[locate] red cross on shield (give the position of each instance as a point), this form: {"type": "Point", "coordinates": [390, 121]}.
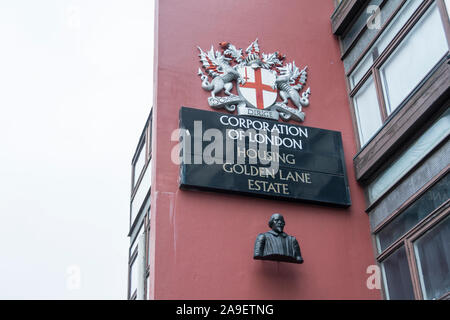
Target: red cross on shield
{"type": "Point", "coordinates": [258, 87]}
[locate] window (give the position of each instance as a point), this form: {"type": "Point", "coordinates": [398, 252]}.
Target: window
{"type": "Point", "coordinates": [383, 40]}
{"type": "Point", "coordinates": [140, 211]}
{"type": "Point", "coordinates": [141, 171]}
{"type": "Point", "coordinates": [148, 254]}
{"type": "Point", "coordinates": [133, 277]}
{"type": "Point", "coordinates": [424, 144]}
{"type": "Point", "coordinates": [365, 29]}
{"type": "Point", "coordinates": [432, 252]}
{"type": "Point", "coordinates": [396, 276]}
{"type": "Point", "coordinates": [414, 245]}
{"type": "Point", "coordinates": [148, 241]}
{"type": "Point", "coordinates": [412, 59]}
{"type": "Point", "coordinates": [132, 268]}
{"type": "Point", "coordinates": [139, 163]}
{"type": "Point", "coordinates": [141, 193]}
{"type": "Point", "coordinates": [385, 68]}
{"type": "Point", "coordinates": [137, 270]}
{"type": "Point", "coordinates": [367, 112]}
{"type": "Point", "coordinates": [135, 243]}
{"type": "Point", "coordinates": [143, 152]}
{"type": "Point", "coordinates": [396, 77]}
{"type": "Point", "coordinates": [414, 213]}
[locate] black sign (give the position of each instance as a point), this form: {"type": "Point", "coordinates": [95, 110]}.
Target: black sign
{"type": "Point", "coordinates": [254, 156]}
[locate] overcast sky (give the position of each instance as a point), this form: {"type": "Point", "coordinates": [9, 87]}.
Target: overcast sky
{"type": "Point", "coordinates": [75, 91]}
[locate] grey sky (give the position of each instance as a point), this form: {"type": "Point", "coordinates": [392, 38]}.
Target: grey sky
{"type": "Point", "coordinates": [75, 91]}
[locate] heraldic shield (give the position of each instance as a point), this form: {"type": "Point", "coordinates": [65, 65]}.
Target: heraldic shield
{"type": "Point", "coordinates": [258, 87]}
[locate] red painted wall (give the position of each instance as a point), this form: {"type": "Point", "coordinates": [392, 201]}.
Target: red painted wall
{"type": "Point", "coordinates": [202, 242]}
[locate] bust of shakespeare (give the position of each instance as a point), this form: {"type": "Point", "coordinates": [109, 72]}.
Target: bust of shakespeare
{"type": "Point", "coordinates": [275, 245]}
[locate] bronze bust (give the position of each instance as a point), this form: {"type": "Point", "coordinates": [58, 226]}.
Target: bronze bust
{"type": "Point", "coordinates": [275, 245]}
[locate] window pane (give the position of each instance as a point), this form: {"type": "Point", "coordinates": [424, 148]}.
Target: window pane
{"type": "Point", "coordinates": [433, 260]}
{"type": "Point", "coordinates": [359, 72]}
{"type": "Point", "coordinates": [417, 54]}
{"type": "Point", "coordinates": [141, 193]}
{"type": "Point", "coordinates": [396, 276]}
{"type": "Point", "coordinates": [136, 241]}
{"type": "Point", "coordinates": [417, 151]}
{"type": "Point", "coordinates": [133, 277]}
{"type": "Point", "coordinates": [141, 268]}
{"type": "Point", "coordinates": [385, 38]}
{"type": "Point", "coordinates": [367, 111]}
{"type": "Point", "coordinates": [139, 164]}
{"type": "Point", "coordinates": [137, 269]}
{"type": "Point", "coordinates": [368, 35]}
{"type": "Point", "coordinates": [418, 210]}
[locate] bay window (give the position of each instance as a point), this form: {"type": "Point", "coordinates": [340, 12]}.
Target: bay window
{"type": "Point", "coordinates": [414, 247]}
{"type": "Point", "coordinates": [382, 74]}
{"type": "Point", "coordinates": [396, 60]}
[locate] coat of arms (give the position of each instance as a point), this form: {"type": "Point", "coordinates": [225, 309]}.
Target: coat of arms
{"type": "Point", "coordinates": [259, 78]}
